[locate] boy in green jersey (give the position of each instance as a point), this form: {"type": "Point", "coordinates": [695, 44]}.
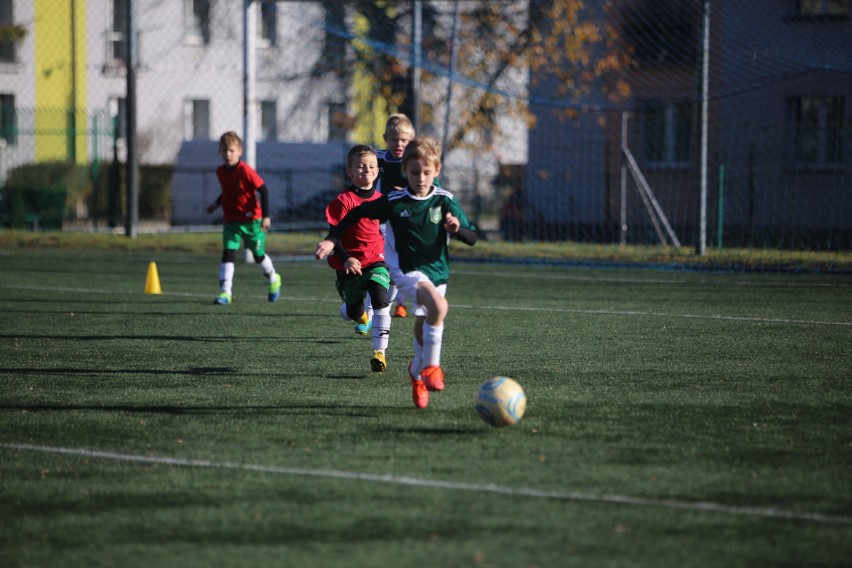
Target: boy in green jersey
{"type": "Point", "coordinates": [419, 222]}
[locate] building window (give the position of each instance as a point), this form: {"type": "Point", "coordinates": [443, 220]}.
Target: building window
{"type": "Point", "coordinates": [7, 20]}
{"type": "Point", "coordinates": [268, 120]}
{"type": "Point", "coordinates": [197, 119]}
{"type": "Point", "coordinates": [117, 36]}
{"type": "Point", "coordinates": [817, 125]}
{"type": "Point", "coordinates": [8, 120]}
{"type": "Point", "coordinates": [196, 21]}
{"type": "Point", "coordinates": [823, 7]}
{"type": "Point", "coordinates": [661, 33]}
{"type": "Point", "coordinates": [666, 132]}
{"type": "Point", "coordinates": [337, 121]}
{"type": "Point", "coordinates": [267, 30]}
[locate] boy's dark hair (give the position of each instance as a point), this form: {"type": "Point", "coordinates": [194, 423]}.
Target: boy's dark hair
{"type": "Point", "coordinates": [422, 148]}
{"type": "Point", "coordinates": [357, 151]}
{"type": "Point", "coordinates": [228, 138]}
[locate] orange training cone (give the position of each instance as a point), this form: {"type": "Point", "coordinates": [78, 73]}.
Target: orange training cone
{"type": "Point", "coordinates": [152, 283]}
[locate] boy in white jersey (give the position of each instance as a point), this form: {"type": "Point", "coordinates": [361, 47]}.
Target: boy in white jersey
{"type": "Point", "coordinates": [419, 221]}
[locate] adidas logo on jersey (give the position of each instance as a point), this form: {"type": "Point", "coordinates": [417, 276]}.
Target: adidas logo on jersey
{"type": "Point", "coordinates": [405, 213]}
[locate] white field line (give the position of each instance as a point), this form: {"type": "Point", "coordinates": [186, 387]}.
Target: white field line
{"type": "Point", "coordinates": [770, 512]}
{"type": "Point", "coordinates": [717, 317]}
{"type": "Point", "coordinates": [641, 280]}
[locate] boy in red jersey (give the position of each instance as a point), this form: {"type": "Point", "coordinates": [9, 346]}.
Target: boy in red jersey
{"type": "Point", "coordinates": [246, 218]}
{"type": "Point", "coordinates": [358, 255]}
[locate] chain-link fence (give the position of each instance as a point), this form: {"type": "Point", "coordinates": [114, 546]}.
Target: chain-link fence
{"type": "Point", "coordinates": [657, 123]}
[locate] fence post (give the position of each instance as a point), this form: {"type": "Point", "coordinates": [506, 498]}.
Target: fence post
{"type": "Point", "coordinates": [701, 246]}
{"type": "Point", "coordinates": [623, 225]}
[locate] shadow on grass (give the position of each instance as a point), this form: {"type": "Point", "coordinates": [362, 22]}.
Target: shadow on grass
{"type": "Point", "coordinates": [201, 371]}
{"type": "Point", "coordinates": [209, 339]}
{"type": "Point", "coordinates": [294, 409]}
{"type": "Point", "coordinates": [68, 307]}
{"type": "Point", "coordinates": [438, 431]}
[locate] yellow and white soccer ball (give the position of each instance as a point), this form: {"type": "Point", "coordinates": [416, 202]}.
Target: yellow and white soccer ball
{"type": "Point", "coordinates": [501, 401]}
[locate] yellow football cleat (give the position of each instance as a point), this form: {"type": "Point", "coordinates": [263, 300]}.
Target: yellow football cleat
{"type": "Point", "coordinates": [378, 363]}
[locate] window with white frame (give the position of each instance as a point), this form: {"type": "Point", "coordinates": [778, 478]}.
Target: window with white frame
{"type": "Point", "coordinates": [666, 132]}
{"type": "Point", "coordinates": [8, 120]}
{"type": "Point", "coordinates": [267, 28]}
{"type": "Point", "coordinates": [117, 35]}
{"type": "Point", "coordinates": [197, 119]}
{"type": "Point", "coordinates": [268, 120]}
{"type": "Point", "coordinates": [196, 21]}
{"type": "Point", "coordinates": [817, 127]}
{"type": "Point", "coordinates": [823, 7]}
{"type": "Point", "coordinates": [7, 20]}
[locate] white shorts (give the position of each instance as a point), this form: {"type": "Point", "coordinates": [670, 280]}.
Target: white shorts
{"type": "Point", "coordinates": [407, 284]}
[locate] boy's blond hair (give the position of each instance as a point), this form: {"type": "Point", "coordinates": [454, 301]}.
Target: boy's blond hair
{"type": "Point", "coordinates": [228, 138]}
{"type": "Point", "coordinates": [399, 124]}
{"type": "Point", "coordinates": [424, 148]}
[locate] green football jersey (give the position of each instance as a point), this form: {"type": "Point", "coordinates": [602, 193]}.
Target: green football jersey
{"type": "Point", "coordinates": [418, 231]}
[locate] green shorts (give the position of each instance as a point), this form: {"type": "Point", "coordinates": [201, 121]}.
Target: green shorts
{"type": "Point", "coordinates": [235, 233]}
{"type": "Point", "coordinates": [353, 289]}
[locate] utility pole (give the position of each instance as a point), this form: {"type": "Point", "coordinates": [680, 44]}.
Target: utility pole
{"type": "Point", "coordinates": [131, 226]}
{"type": "Point", "coordinates": [249, 79]}
{"type": "Point", "coordinates": [416, 47]}
{"type": "Point", "coordinates": [701, 246]}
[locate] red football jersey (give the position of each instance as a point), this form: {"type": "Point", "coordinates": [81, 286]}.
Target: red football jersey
{"type": "Point", "coordinates": [363, 240]}
{"type": "Point", "coordinates": [239, 193]}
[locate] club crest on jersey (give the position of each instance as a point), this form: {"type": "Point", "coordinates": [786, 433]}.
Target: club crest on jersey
{"type": "Point", "coordinates": [435, 215]}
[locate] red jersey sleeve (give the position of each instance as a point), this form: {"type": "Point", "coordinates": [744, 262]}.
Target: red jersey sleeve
{"type": "Point", "coordinates": [336, 210]}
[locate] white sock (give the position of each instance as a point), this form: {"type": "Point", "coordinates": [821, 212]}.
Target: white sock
{"type": "Point", "coordinates": [266, 268]}
{"type": "Point", "coordinates": [368, 306]}
{"type": "Point", "coordinates": [226, 277]}
{"type": "Point", "coordinates": [432, 339]}
{"type": "Point", "coordinates": [343, 313]}
{"type": "Point", "coordinates": [381, 329]}
{"type": "Point", "coordinates": [417, 363]}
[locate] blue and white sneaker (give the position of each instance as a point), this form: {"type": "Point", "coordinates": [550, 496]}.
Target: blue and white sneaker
{"type": "Point", "coordinates": [275, 289]}
{"type": "Point", "coordinates": [223, 299]}
{"type": "Point", "coordinates": [364, 328]}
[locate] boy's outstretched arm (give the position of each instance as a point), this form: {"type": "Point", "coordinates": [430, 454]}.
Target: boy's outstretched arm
{"type": "Point", "coordinates": [324, 248]}
{"type": "Point", "coordinates": [215, 205]}
{"type": "Point", "coordinates": [453, 226]}
{"type": "Point", "coordinates": [377, 209]}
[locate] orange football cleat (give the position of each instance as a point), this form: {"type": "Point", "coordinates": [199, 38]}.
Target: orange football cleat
{"type": "Point", "coordinates": [419, 393]}
{"type": "Point", "coordinates": [433, 377]}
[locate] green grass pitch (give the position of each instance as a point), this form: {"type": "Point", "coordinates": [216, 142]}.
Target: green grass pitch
{"type": "Point", "coordinates": [673, 419]}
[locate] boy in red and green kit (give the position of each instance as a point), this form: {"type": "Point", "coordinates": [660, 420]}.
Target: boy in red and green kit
{"type": "Point", "coordinates": [246, 218]}
{"type": "Point", "coordinates": [359, 254]}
